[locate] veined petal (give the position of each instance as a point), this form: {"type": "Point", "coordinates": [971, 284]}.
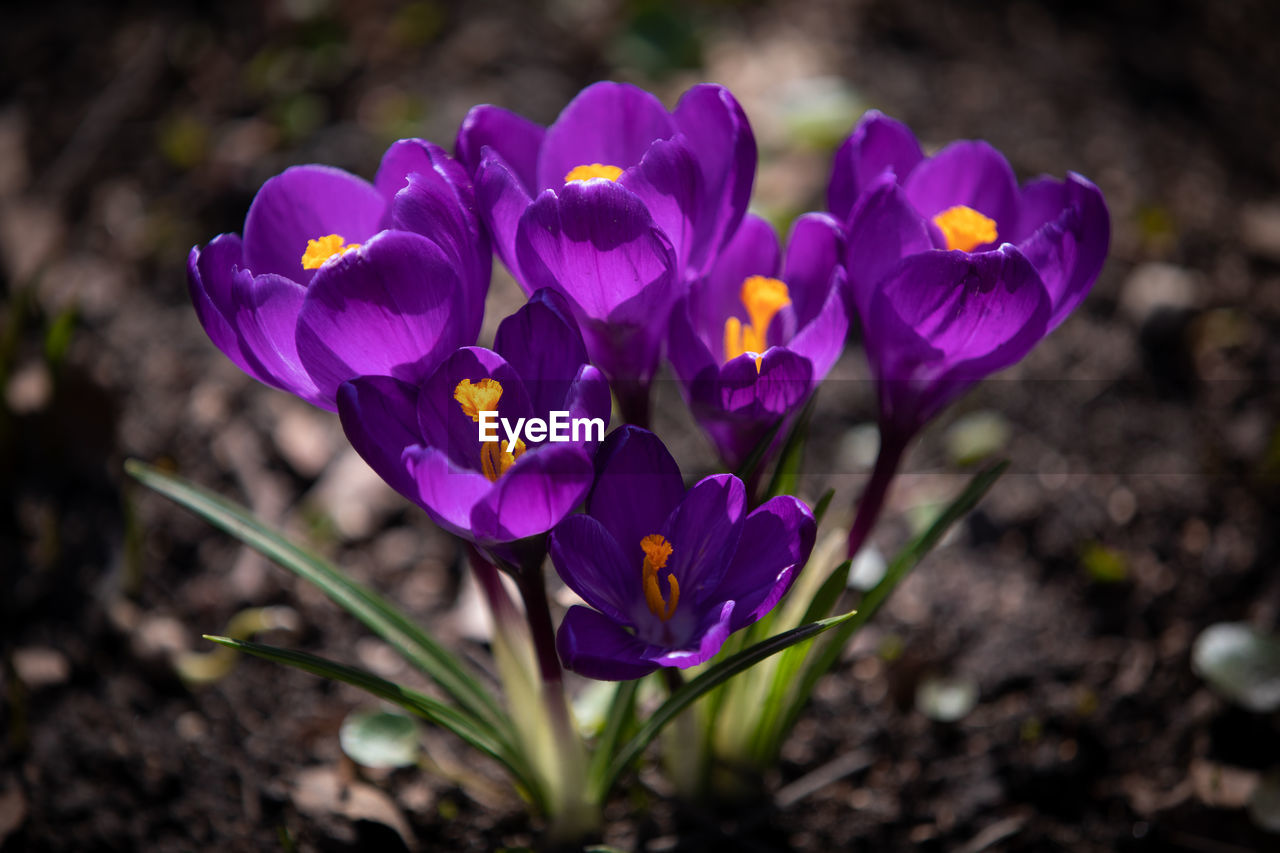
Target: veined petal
{"type": "Point", "coordinates": [776, 541]}
{"type": "Point", "coordinates": [303, 203]}
{"type": "Point", "coordinates": [393, 307]}
{"type": "Point", "coordinates": [969, 173]}
{"type": "Point", "coordinates": [878, 144]}
{"type": "Point", "coordinates": [815, 249]}
{"type": "Point", "coordinates": [515, 138]}
{"type": "Point", "coordinates": [637, 486]}
{"type": "Point", "coordinates": [267, 308]}
{"type": "Point", "coordinates": [595, 566]}
{"type": "Point", "coordinates": [1068, 249]}
{"type": "Point", "coordinates": [724, 148]}
{"type": "Point", "coordinates": [882, 230]}
{"type": "Point", "coordinates": [593, 645]}
{"type": "Point", "coordinates": [706, 640]}
{"type": "Point", "coordinates": [822, 340]}
{"type": "Point", "coordinates": [441, 420]}
{"type": "Point", "coordinates": [609, 123]}
{"type": "Point", "coordinates": [543, 339]}
{"type": "Point", "coordinates": [703, 531]}
{"type": "Point", "coordinates": [534, 495]}
{"type": "Point", "coordinates": [380, 418]}
{"type": "Point", "coordinates": [210, 272]}
{"type": "Point", "coordinates": [668, 182]}
{"type": "Point", "coordinates": [448, 492]}
{"type": "Point", "coordinates": [502, 201]}
{"type": "Point", "coordinates": [753, 250]}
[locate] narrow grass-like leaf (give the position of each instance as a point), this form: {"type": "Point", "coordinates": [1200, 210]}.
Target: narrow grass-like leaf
{"type": "Point", "coordinates": [446, 716]}
{"type": "Point", "coordinates": [621, 712]}
{"type": "Point", "coordinates": [823, 655]}
{"type": "Point", "coordinates": [750, 468]}
{"type": "Point", "coordinates": [383, 618]}
{"type": "Point", "coordinates": [786, 474]}
{"type": "Point", "coordinates": [708, 680]}
{"type": "Point", "coordinates": [821, 507]}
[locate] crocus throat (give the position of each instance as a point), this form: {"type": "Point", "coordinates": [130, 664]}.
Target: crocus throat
{"type": "Point", "coordinates": [323, 248]}
{"type": "Point", "coordinates": [656, 551]}
{"type": "Point", "coordinates": [763, 298]}
{"type": "Point", "coordinates": [483, 396]}
{"type": "Point", "coordinates": [965, 228]}
{"type": "Point", "coordinates": [593, 170]}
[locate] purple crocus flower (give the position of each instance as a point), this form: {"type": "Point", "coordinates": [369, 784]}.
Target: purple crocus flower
{"type": "Point", "coordinates": [615, 205]}
{"type": "Point", "coordinates": [669, 574]}
{"type": "Point", "coordinates": [749, 347]}
{"type": "Point", "coordinates": [424, 439]}
{"type": "Point", "coordinates": [318, 290]}
{"type": "Point", "coordinates": [954, 271]}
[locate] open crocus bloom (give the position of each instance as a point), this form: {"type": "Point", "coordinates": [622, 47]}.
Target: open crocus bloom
{"type": "Point", "coordinates": [749, 347]}
{"type": "Point", "coordinates": [670, 574]}
{"type": "Point", "coordinates": [615, 205]}
{"type": "Point", "coordinates": [424, 439]}
{"type": "Point", "coordinates": [954, 271]}
{"type": "Point", "coordinates": [312, 295]}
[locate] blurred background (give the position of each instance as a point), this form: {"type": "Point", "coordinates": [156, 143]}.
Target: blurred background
{"type": "Point", "coordinates": [1030, 688]}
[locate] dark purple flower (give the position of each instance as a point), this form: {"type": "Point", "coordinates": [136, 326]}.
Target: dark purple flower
{"type": "Point", "coordinates": [750, 347]}
{"type": "Point", "coordinates": [424, 438]}
{"type": "Point", "coordinates": [670, 574]}
{"type": "Point", "coordinates": [312, 295]}
{"type": "Point", "coordinates": [954, 271]}
{"type": "Point", "coordinates": [614, 205]}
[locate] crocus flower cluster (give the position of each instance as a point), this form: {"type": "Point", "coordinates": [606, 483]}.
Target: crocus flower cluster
{"type": "Point", "coordinates": [626, 225]}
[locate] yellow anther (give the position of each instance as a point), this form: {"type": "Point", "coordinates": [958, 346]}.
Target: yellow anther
{"type": "Point", "coordinates": [495, 460]}
{"type": "Point", "coordinates": [322, 249]}
{"type": "Point", "coordinates": [480, 397]}
{"type": "Point", "coordinates": [594, 170]}
{"type": "Point", "coordinates": [965, 228]}
{"type": "Point", "coordinates": [483, 396]}
{"type": "Point", "coordinates": [656, 552]}
{"type": "Point", "coordinates": [763, 298]}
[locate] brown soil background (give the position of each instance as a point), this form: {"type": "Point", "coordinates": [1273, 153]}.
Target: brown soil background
{"type": "Point", "coordinates": [1146, 425]}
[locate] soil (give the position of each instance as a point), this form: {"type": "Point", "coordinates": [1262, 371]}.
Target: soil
{"type": "Point", "coordinates": [1143, 432]}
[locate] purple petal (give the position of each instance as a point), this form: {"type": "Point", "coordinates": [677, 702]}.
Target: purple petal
{"type": "Point", "coordinates": [725, 149]}
{"type": "Point", "coordinates": [686, 350]}
{"type": "Point", "coordinates": [752, 251]}
{"type": "Point", "coordinates": [210, 272]}
{"type": "Point", "coordinates": [637, 486]}
{"type": "Point", "coordinates": [592, 563]}
{"type": "Point", "coordinates": [823, 339]}
{"type": "Point", "coordinates": [441, 420]}
{"type": "Point", "coordinates": [393, 307]}
{"type": "Point", "coordinates": [945, 320]}
{"type": "Point", "coordinates": [589, 397]}
{"type": "Point", "coordinates": [776, 541]}
{"type": "Point", "coordinates": [877, 144]}
{"type": "Point", "coordinates": [703, 531]}
{"type": "Point", "coordinates": [609, 123]}
{"type": "Point", "coordinates": [380, 417]}
{"type": "Point", "coordinates": [713, 629]}
{"type": "Point", "coordinates": [542, 339]}
{"type": "Point", "coordinates": [502, 201]}
{"type": "Point", "coordinates": [668, 182]}
{"type": "Point", "coordinates": [815, 249]}
{"type": "Point", "coordinates": [447, 492]}
{"type": "Point", "coordinates": [514, 137]}
{"type": "Point", "coordinates": [595, 646]}
{"type": "Point", "coordinates": [267, 308]}
{"type": "Point", "coordinates": [1069, 248]}
{"type": "Point", "coordinates": [535, 494]}
{"type": "Point", "coordinates": [969, 173]}
{"type": "Point", "coordinates": [304, 203]}
{"type": "Point", "coordinates": [883, 229]}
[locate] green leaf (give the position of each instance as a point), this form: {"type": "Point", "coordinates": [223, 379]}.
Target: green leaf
{"type": "Point", "coordinates": [373, 610]}
{"type": "Point", "coordinates": [786, 473]}
{"type": "Point", "coordinates": [433, 710]}
{"type": "Point", "coordinates": [750, 467]}
{"type": "Point", "coordinates": [621, 713]}
{"type": "Point", "coordinates": [821, 507]}
{"type": "Point", "coordinates": [708, 680]}
{"type": "Point", "coordinates": [822, 657]}
{"type": "Point", "coordinates": [380, 739]}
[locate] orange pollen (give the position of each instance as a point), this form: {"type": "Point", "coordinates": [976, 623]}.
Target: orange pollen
{"type": "Point", "coordinates": [322, 249]}
{"type": "Point", "coordinates": [965, 228]}
{"type": "Point", "coordinates": [594, 170]}
{"type": "Point", "coordinates": [483, 396]}
{"type": "Point", "coordinates": [656, 552]}
{"type": "Point", "coordinates": [763, 298]}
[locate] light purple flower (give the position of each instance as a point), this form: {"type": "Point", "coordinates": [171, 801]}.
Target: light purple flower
{"type": "Point", "coordinates": [423, 438]}
{"type": "Point", "coordinates": [614, 205]}
{"type": "Point", "coordinates": [750, 347]}
{"type": "Point", "coordinates": [318, 290]}
{"type": "Point", "coordinates": [954, 271]}
{"type": "Point", "coordinates": [669, 574]}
